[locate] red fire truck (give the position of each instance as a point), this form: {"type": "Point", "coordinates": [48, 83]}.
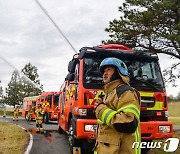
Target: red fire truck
{"type": "Point", "coordinates": [49, 102]}
{"type": "Point", "coordinates": [27, 103]}
{"type": "Point", "coordinates": [83, 84]}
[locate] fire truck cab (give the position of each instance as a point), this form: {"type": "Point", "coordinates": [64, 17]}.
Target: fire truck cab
{"type": "Point", "coordinates": [27, 103]}
{"type": "Point", "coordinates": [49, 102]}
{"type": "Point", "coordinates": [84, 83]}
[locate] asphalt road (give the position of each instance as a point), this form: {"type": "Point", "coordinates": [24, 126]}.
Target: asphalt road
{"type": "Point", "coordinates": [51, 142]}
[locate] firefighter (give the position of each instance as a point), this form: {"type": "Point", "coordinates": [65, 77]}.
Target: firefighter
{"type": "Point", "coordinates": [118, 113]}
{"type": "Point", "coordinates": [39, 118]}
{"type": "Point", "coordinates": [4, 113]}
{"type": "Point", "coordinates": [16, 113]}
{"type": "Point", "coordinates": [30, 112]}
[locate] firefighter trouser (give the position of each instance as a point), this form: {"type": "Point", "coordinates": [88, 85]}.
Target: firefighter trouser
{"type": "Point", "coordinates": [29, 116]}
{"type": "Point", "coordinates": [39, 125]}
{"type": "Point", "coordinates": [15, 116]}
{"type": "Point", "coordinates": [106, 149]}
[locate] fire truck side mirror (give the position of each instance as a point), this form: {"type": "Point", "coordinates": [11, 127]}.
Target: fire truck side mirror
{"type": "Point", "coordinates": [72, 65]}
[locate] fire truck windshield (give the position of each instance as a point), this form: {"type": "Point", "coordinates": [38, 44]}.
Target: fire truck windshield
{"type": "Point", "coordinates": [56, 99]}
{"type": "Point", "coordinates": [143, 74]}
{"type": "Point", "coordinates": [91, 71]}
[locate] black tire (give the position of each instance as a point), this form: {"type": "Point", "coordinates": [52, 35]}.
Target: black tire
{"type": "Point", "coordinates": [46, 118]}
{"type": "Point", "coordinates": [73, 142]}
{"type": "Point", "coordinates": [60, 130]}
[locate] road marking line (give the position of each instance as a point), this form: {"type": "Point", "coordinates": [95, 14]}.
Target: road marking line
{"type": "Point", "coordinates": [28, 149]}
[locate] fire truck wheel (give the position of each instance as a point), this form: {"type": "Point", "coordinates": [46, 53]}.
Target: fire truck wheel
{"type": "Point", "coordinates": [71, 136]}
{"type": "Point", "coordinates": [46, 118]}
{"type": "Point", "coordinates": [60, 130]}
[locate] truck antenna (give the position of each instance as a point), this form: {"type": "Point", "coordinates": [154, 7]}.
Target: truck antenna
{"type": "Point", "coordinates": [60, 31]}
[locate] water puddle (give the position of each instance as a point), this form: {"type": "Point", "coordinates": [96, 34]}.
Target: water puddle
{"type": "Point", "coordinates": [46, 134]}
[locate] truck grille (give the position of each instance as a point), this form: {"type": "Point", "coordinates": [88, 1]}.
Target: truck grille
{"type": "Point", "coordinates": [147, 101]}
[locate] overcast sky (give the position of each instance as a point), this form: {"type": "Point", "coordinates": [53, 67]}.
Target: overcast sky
{"type": "Point", "coordinates": [27, 35]}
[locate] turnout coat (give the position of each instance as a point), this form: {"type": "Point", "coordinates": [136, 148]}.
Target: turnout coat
{"type": "Point", "coordinates": [118, 119]}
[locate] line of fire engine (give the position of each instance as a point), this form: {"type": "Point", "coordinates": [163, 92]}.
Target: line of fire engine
{"type": "Point", "coordinates": [49, 102]}
{"type": "Point", "coordinates": [83, 85]}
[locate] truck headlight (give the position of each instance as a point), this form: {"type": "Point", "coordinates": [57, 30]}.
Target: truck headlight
{"type": "Point", "coordinates": [90, 128]}
{"type": "Point", "coordinates": [164, 129]}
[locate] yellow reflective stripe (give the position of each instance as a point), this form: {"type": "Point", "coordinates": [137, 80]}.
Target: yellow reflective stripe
{"type": "Point", "coordinates": [104, 114]}
{"type": "Point", "coordinates": [73, 87]}
{"type": "Point", "coordinates": [95, 152]}
{"type": "Point", "coordinates": [107, 115]}
{"type": "Point", "coordinates": [149, 94]}
{"type": "Point", "coordinates": [96, 96]}
{"type": "Point", "coordinates": [99, 93]}
{"type": "Point", "coordinates": [130, 108]}
{"type": "Point", "coordinates": [90, 101]}
{"type": "Point", "coordinates": [137, 139]}
{"type": "Point", "coordinates": [70, 93]}
{"type": "Point", "coordinates": [39, 118]}
{"type": "Point", "coordinates": [99, 121]}
{"type": "Point", "coordinates": [157, 106]}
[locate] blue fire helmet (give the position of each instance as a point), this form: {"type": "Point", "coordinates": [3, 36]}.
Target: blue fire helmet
{"type": "Point", "coordinates": [117, 63]}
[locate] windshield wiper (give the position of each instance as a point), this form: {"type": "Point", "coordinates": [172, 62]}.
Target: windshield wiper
{"type": "Point", "coordinates": [154, 82]}
{"type": "Point", "coordinates": [143, 81]}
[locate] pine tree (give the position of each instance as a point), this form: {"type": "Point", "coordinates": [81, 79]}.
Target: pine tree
{"type": "Point", "coordinates": [13, 90]}
{"type": "Point", "coordinates": [31, 83]}
{"type": "Point", "coordinates": [149, 25]}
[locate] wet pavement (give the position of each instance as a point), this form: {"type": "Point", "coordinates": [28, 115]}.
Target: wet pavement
{"type": "Point", "coordinates": [49, 142]}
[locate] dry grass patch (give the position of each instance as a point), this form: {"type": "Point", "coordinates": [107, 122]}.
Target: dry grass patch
{"type": "Point", "coordinates": [174, 115]}
{"type": "Point", "coordinates": [173, 109]}
{"type": "Point", "coordinates": [13, 139]}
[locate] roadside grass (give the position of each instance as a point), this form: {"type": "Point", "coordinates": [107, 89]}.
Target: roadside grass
{"type": "Point", "coordinates": [174, 115]}
{"type": "Point", "coordinates": [175, 120]}
{"type": "Point", "coordinates": [13, 139]}
{"type": "Point", "coordinates": [9, 112]}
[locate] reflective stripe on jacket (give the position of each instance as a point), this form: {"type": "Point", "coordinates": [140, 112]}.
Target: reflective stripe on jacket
{"type": "Point", "coordinates": [39, 114]}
